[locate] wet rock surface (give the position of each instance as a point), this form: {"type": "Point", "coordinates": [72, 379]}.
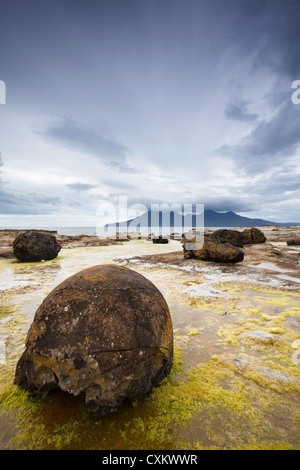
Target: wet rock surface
{"type": "Point", "coordinates": [105, 332]}
{"type": "Point", "coordinates": [35, 246]}
{"type": "Point", "coordinates": [234, 382]}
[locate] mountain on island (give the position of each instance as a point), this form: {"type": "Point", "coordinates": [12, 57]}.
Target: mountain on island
{"type": "Point", "coordinates": [231, 219]}
{"type": "Point", "coordinates": [172, 219]}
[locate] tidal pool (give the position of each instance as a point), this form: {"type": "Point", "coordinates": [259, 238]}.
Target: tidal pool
{"type": "Point", "coordinates": [234, 384]}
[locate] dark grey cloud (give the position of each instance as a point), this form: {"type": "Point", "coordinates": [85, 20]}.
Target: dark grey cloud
{"type": "Point", "coordinates": [237, 110]}
{"type": "Point", "coordinates": [13, 202]}
{"type": "Point", "coordinates": [268, 143]}
{"type": "Point", "coordinates": [30, 202]}
{"type": "Point", "coordinates": [280, 39]}
{"type": "Point", "coordinates": [151, 68]}
{"type": "Point", "coordinates": [95, 141]}
{"type": "Point", "coordinates": [240, 202]}
{"type": "Point", "coordinates": [81, 186]}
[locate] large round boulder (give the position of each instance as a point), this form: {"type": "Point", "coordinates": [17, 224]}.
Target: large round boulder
{"type": "Point", "coordinates": [105, 332]}
{"type": "Point", "coordinates": [35, 246]}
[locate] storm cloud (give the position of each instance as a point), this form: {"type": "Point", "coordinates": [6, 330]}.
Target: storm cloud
{"type": "Point", "coordinates": [237, 110]}
{"type": "Point", "coordinates": [165, 101]}
{"type": "Point", "coordinates": [269, 144]}
{"type": "Point", "coordinates": [97, 141]}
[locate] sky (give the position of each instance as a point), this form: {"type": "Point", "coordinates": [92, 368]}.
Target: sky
{"type": "Point", "coordinates": [161, 102]}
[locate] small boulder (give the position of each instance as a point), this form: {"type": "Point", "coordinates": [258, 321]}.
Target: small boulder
{"type": "Point", "coordinates": [210, 251]}
{"type": "Point", "coordinates": [35, 246]}
{"type": "Point", "coordinates": [253, 235]}
{"type": "Point", "coordinates": [160, 239]}
{"type": "Point", "coordinates": [293, 241]}
{"type": "Point", "coordinates": [234, 237]}
{"type": "Point", "coordinates": [105, 332]}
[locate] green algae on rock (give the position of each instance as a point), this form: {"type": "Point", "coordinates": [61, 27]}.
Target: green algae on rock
{"type": "Point", "coordinates": [105, 332]}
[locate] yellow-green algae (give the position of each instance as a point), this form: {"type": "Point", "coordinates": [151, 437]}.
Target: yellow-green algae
{"type": "Point", "coordinates": [17, 265]}
{"type": "Point", "coordinates": [211, 406]}
{"type": "Point", "coordinates": [162, 420]}
{"type": "Point", "coordinates": [193, 332]}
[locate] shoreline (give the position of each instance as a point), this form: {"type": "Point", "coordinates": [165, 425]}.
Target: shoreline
{"type": "Point", "coordinates": [235, 336]}
{"type": "Point", "coordinates": [273, 233]}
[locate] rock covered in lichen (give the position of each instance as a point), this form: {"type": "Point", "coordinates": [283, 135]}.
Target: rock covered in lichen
{"type": "Point", "coordinates": [35, 246]}
{"type": "Point", "coordinates": [217, 252]}
{"type": "Point", "coordinates": [105, 332]}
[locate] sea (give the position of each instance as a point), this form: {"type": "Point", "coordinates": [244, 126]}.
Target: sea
{"type": "Point", "coordinates": [72, 231]}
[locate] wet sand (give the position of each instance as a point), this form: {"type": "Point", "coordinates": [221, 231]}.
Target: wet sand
{"type": "Point", "coordinates": [235, 381]}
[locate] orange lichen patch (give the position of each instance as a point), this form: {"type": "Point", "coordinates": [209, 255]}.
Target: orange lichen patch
{"type": "Point", "coordinates": [98, 276]}
{"type": "Point", "coordinates": [122, 267]}
{"type": "Point", "coordinates": [167, 336]}
{"type": "Point", "coordinates": [89, 278]}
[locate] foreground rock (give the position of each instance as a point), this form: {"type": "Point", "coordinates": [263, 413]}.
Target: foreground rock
{"type": "Point", "coordinates": [35, 246]}
{"type": "Point", "coordinates": [105, 332]}
{"type": "Point", "coordinates": [210, 251]}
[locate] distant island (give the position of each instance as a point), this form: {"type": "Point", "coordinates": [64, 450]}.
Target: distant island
{"type": "Point", "coordinates": [231, 219]}
{"type": "Point", "coordinates": [211, 219]}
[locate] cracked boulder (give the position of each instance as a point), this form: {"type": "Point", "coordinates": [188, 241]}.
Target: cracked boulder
{"type": "Point", "coordinates": [105, 332]}
{"type": "Point", "coordinates": [253, 235]}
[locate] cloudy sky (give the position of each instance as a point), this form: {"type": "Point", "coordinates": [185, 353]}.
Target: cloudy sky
{"type": "Point", "coordinates": [173, 101]}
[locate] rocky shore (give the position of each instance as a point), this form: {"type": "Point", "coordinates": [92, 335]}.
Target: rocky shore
{"type": "Point", "coordinates": [235, 379]}
{"type": "Point", "coordinates": [7, 237]}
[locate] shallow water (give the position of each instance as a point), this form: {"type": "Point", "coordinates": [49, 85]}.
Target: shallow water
{"type": "Point", "coordinates": [270, 266]}
{"type": "Point", "coordinates": [226, 390]}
